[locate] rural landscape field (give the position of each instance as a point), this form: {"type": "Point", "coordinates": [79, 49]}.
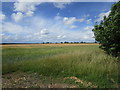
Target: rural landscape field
{"type": "Point", "coordinates": [59, 66]}
{"type": "Point", "coordinates": [54, 44]}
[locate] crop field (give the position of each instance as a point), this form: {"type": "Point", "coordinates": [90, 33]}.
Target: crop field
{"type": "Point", "coordinates": [58, 65]}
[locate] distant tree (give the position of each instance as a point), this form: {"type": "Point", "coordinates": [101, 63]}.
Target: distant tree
{"type": "Point", "coordinates": [82, 42]}
{"type": "Point", "coordinates": [47, 42]}
{"type": "Point", "coordinates": [66, 42]}
{"type": "Point", "coordinates": [107, 33]}
{"type": "Point", "coordinates": [95, 41]}
{"type": "Point", "coordinates": [76, 42]}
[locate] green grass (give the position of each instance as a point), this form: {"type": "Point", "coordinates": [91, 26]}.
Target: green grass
{"type": "Point", "coordinates": [86, 62]}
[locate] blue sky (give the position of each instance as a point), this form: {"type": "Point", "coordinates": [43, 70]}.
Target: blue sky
{"type": "Point", "coordinates": [51, 22]}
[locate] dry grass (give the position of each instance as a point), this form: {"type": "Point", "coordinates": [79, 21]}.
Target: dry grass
{"type": "Point", "coordinates": [42, 45]}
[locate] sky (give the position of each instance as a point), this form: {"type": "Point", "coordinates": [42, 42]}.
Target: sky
{"type": "Point", "coordinates": [37, 22]}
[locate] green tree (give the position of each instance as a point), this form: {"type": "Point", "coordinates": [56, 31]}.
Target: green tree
{"type": "Point", "coordinates": [107, 33]}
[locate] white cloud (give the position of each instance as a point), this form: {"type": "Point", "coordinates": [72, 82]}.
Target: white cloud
{"type": "Point", "coordinates": [40, 29]}
{"type": "Point", "coordinates": [89, 28]}
{"type": "Point", "coordinates": [58, 17]}
{"type": "Point", "coordinates": [44, 32]}
{"type": "Point", "coordinates": [73, 26]}
{"type": "Point", "coordinates": [17, 16]}
{"type": "Point", "coordinates": [101, 16]}
{"type": "Point", "coordinates": [61, 36]}
{"type": "Point", "coordinates": [71, 20]}
{"type": "Point", "coordinates": [29, 13]}
{"type": "Point", "coordinates": [61, 5]}
{"type": "Point", "coordinates": [1, 35]}
{"type": "Point", "coordinates": [2, 16]}
{"type": "Point", "coordinates": [88, 21]}
{"type": "Point", "coordinates": [14, 28]}
{"type": "Point", "coordinates": [80, 20]}
{"type": "Point", "coordinates": [23, 9]}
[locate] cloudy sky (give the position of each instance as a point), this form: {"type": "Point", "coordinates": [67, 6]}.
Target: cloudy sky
{"type": "Point", "coordinates": [50, 22]}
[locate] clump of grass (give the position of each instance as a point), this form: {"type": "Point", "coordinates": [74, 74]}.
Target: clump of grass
{"type": "Point", "coordinates": [88, 63]}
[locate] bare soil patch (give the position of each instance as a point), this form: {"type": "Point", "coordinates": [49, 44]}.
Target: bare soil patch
{"type": "Point", "coordinates": [25, 80]}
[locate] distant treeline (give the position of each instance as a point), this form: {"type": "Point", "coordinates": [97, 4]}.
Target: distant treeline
{"type": "Point", "coordinates": [67, 42]}
{"type": "Point", "coordinates": [51, 43]}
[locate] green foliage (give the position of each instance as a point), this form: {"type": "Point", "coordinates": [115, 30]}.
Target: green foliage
{"type": "Point", "coordinates": [108, 31]}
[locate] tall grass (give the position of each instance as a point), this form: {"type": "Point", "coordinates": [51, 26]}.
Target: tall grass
{"type": "Point", "coordinates": [86, 62]}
